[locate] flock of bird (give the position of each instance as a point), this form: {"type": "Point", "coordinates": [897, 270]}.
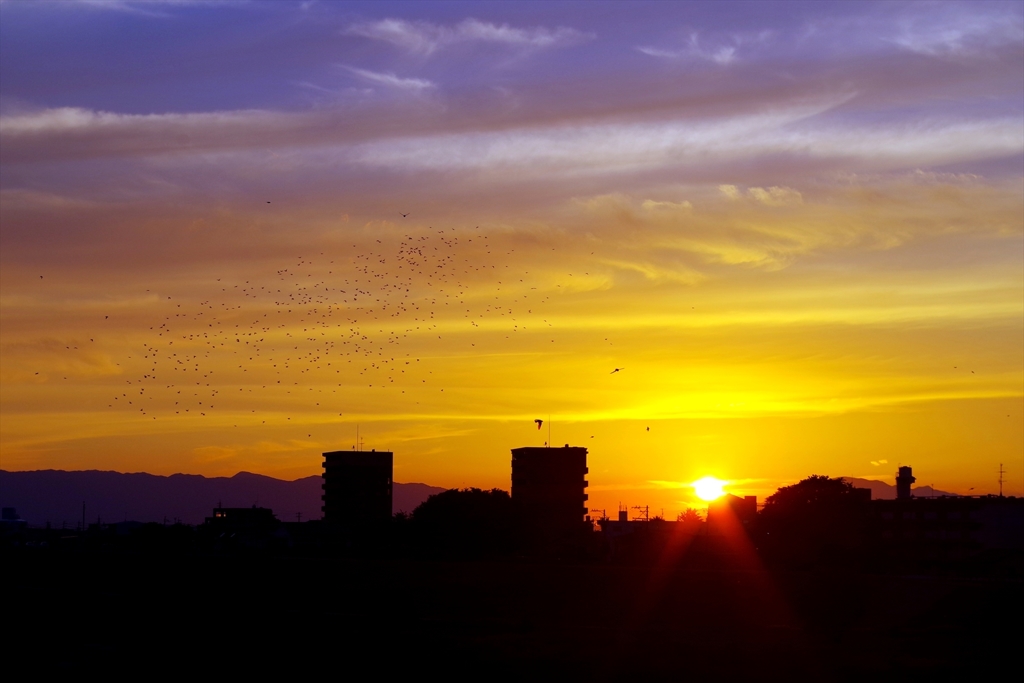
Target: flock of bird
{"type": "Point", "coordinates": [340, 322]}
{"type": "Point", "coordinates": [337, 322]}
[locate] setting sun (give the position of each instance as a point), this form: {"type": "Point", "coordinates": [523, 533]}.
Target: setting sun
{"type": "Point", "coordinates": [709, 488]}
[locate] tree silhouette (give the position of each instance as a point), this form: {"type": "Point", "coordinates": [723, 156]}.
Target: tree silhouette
{"type": "Point", "coordinates": [464, 523]}
{"type": "Point", "coordinates": [815, 491]}
{"type": "Point", "coordinates": [818, 519]}
{"type": "Point", "coordinates": [690, 516]}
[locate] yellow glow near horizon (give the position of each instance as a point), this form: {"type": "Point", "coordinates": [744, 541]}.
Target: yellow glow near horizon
{"type": "Point", "coordinates": [709, 488]}
{"type": "Point", "coordinates": [784, 339]}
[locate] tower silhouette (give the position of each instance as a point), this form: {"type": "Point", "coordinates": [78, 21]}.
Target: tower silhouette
{"type": "Point", "coordinates": [549, 494]}
{"type": "Point", "coordinates": [904, 478]}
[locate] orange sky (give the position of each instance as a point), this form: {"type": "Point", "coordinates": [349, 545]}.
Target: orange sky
{"type": "Point", "coordinates": [789, 284]}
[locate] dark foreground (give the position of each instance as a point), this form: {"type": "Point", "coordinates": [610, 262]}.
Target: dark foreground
{"type": "Point", "coordinates": [140, 615]}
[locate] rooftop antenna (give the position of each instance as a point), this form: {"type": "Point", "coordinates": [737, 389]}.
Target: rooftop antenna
{"type": "Point", "coordinates": [1002, 471]}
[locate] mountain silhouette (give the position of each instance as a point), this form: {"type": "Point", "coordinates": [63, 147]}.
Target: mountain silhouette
{"type": "Point", "coordinates": [882, 491]}
{"type": "Point", "coordinates": [56, 496]}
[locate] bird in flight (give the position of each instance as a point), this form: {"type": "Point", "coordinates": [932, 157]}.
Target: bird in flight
{"type": "Point", "coordinates": [539, 423]}
{"type": "Point", "coordinates": [404, 215]}
{"type": "Point", "coordinates": [616, 370]}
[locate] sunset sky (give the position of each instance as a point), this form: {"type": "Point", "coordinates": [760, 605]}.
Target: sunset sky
{"type": "Point", "coordinates": [796, 228]}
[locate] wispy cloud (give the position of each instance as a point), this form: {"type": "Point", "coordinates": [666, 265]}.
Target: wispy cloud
{"type": "Point", "coordinates": [793, 133]}
{"type": "Point", "coordinates": [726, 54]}
{"type": "Point", "coordinates": [66, 119]}
{"type": "Point", "coordinates": [946, 30]}
{"type": "Point", "coordinates": [722, 50]}
{"type": "Point", "coordinates": [956, 31]}
{"type": "Point", "coordinates": [700, 144]}
{"type": "Point", "coordinates": [769, 196]}
{"type": "Point", "coordinates": [149, 8]}
{"type": "Point", "coordinates": [423, 37]}
{"type": "Point", "coordinates": [391, 80]}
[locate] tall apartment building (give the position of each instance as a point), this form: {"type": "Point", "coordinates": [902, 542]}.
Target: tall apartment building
{"type": "Point", "coordinates": [357, 487]}
{"type": "Point", "coordinates": [549, 491]}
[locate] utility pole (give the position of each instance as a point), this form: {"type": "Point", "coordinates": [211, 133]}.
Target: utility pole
{"type": "Point", "coordinates": [1002, 471]}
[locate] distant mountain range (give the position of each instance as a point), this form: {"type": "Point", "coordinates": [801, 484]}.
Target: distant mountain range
{"type": "Point", "coordinates": [56, 496]}
{"type": "Point", "coordinates": [882, 491]}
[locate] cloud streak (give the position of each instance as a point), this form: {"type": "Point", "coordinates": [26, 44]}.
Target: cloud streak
{"type": "Point", "coordinates": [722, 52]}
{"type": "Point", "coordinates": [146, 8]}
{"type": "Point", "coordinates": [391, 80]}
{"type": "Point", "coordinates": [617, 148]}
{"type": "Point", "coordinates": [425, 38]}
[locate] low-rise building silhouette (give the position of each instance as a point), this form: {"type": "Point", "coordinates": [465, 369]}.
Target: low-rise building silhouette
{"type": "Point", "coordinates": [944, 527]}
{"type": "Point", "coordinates": [251, 518]}
{"type": "Point", "coordinates": [728, 510]}
{"type": "Point", "coordinates": [10, 521]}
{"type": "Point", "coordinates": [643, 539]}
{"type": "Point", "coordinates": [251, 528]}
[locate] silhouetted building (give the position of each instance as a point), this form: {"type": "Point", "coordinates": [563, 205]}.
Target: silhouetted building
{"type": "Point", "coordinates": [10, 516]}
{"type": "Point", "coordinates": [646, 539]}
{"type": "Point", "coordinates": [946, 528]}
{"type": "Point", "coordinates": [10, 521]}
{"type": "Point", "coordinates": [549, 493]}
{"type": "Point", "coordinates": [730, 509]}
{"type": "Point", "coordinates": [251, 528]}
{"type": "Point", "coordinates": [252, 518]}
{"type": "Point", "coordinates": [904, 478]}
{"type": "Point", "coordinates": [357, 487]}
